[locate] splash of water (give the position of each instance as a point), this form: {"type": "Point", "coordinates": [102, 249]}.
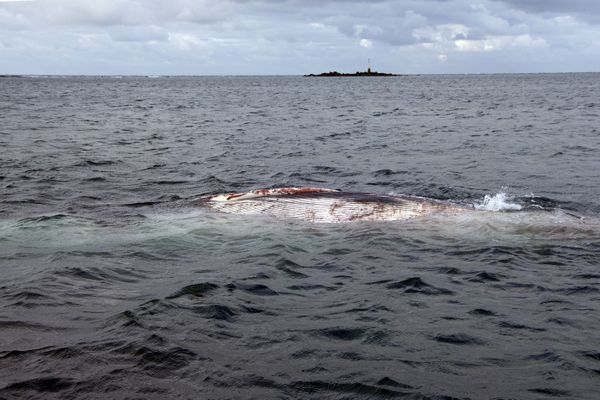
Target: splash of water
{"type": "Point", "coordinates": [498, 202]}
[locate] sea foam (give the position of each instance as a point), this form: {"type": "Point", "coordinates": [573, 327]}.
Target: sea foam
{"type": "Point", "coordinates": [497, 202]}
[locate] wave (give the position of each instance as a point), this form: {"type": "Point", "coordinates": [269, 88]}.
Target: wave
{"type": "Point", "coordinates": [500, 201]}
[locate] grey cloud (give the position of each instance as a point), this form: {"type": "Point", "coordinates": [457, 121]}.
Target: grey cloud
{"type": "Point", "coordinates": [557, 6]}
{"type": "Point", "coordinates": [586, 10]}
{"type": "Point", "coordinates": [119, 12]}
{"type": "Point", "coordinates": [139, 34]}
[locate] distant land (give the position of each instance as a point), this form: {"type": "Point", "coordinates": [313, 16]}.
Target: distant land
{"type": "Point", "coordinates": [368, 72]}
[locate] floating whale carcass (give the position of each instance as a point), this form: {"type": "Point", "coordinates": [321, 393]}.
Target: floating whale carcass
{"type": "Point", "coordinates": [327, 205]}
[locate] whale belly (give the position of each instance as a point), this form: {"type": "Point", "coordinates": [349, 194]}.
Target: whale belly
{"type": "Point", "coordinates": [324, 205]}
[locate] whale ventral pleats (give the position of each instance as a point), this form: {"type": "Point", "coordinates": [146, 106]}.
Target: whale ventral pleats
{"type": "Point", "coordinates": [324, 205]}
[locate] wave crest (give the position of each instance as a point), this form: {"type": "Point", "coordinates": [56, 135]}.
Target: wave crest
{"type": "Point", "coordinates": [497, 202]}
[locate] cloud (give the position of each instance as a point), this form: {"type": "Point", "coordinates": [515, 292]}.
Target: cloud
{"type": "Point", "coordinates": [499, 43]}
{"type": "Point", "coordinates": [585, 10]}
{"type": "Point", "coordinates": [121, 12]}
{"type": "Point", "coordinates": [150, 33]}
{"type": "Point", "coordinates": [294, 36]}
{"type": "Point", "coordinates": [366, 43]}
{"type": "Point", "coordinates": [556, 6]}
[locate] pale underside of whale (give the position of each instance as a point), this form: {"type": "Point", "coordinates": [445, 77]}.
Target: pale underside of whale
{"type": "Point", "coordinates": [327, 205]}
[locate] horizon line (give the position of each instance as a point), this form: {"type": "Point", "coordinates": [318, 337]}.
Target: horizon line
{"type": "Point", "coordinates": [7, 75]}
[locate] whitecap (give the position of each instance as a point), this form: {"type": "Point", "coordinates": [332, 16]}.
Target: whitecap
{"type": "Point", "coordinates": [500, 201]}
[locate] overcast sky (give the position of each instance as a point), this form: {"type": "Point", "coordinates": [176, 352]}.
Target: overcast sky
{"type": "Point", "coordinates": [222, 37]}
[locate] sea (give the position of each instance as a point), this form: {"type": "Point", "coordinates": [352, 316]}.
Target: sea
{"type": "Point", "coordinates": [116, 284]}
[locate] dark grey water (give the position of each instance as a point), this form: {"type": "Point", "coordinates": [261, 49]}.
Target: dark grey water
{"type": "Point", "coordinates": [114, 286]}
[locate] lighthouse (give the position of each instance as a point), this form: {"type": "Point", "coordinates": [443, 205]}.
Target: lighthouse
{"type": "Point", "coordinates": [368, 65]}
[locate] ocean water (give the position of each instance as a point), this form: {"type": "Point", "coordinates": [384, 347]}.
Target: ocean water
{"type": "Point", "coordinates": [114, 285]}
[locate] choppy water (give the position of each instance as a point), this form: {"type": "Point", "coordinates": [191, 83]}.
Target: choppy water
{"type": "Point", "coordinates": [115, 286]}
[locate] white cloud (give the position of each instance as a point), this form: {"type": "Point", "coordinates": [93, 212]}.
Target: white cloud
{"type": "Point", "coordinates": [499, 43]}
{"type": "Point", "coordinates": [441, 33]}
{"type": "Point", "coordinates": [366, 43]}
{"type": "Point", "coordinates": [184, 42]}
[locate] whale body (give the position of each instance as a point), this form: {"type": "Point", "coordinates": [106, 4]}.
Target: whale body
{"type": "Point", "coordinates": [327, 205]}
